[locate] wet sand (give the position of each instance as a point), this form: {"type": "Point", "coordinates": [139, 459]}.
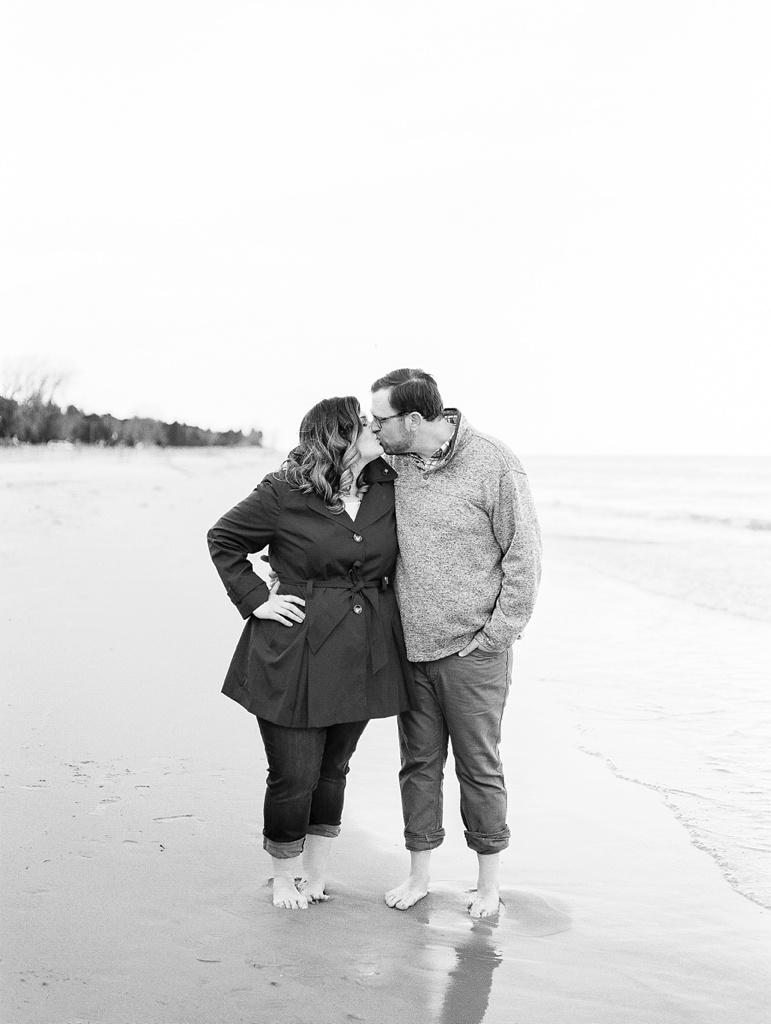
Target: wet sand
{"type": "Point", "coordinates": [134, 883]}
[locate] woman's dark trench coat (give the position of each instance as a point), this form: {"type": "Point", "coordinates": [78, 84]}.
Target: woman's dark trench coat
{"type": "Point", "coordinates": [346, 662]}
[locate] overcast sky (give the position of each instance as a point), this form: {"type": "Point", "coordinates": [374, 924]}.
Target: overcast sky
{"type": "Point", "coordinates": [220, 212]}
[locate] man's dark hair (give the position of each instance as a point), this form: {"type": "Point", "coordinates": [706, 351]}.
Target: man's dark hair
{"type": "Point", "coordinates": [412, 391]}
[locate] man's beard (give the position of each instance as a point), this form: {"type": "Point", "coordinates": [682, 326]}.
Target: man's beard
{"type": "Point", "coordinates": [396, 447]}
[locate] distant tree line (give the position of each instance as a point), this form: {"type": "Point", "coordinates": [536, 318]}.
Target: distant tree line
{"type": "Point", "coordinates": [29, 415]}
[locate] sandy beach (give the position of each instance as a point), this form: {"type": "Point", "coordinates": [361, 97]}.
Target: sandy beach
{"type": "Point", "coordinates": [135, 888]}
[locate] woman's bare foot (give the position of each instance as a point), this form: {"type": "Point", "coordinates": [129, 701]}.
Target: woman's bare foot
{"type": "Point", "coordinates": [286, 894]}
{"type": "Point", "coordinates": [313, 890]}
{"type": "Point", "coordinates": [315, 856]}
{"type": "Point", "coordinates": [415, 887]}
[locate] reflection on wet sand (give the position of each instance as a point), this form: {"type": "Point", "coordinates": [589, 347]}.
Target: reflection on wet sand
{"type": "Point", "coordinates": [470, 982]}
{"type": "Point", "coordinates": [480, 946]}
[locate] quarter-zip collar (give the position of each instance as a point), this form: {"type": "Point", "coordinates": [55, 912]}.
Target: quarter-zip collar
{"type": "Point", "coordinates": [442, 455]}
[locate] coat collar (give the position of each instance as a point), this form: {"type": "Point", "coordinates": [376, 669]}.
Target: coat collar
{"type": "Point", "coordinates": [379, 471]}
{"type": "Point", "coordinates": [375, 503]}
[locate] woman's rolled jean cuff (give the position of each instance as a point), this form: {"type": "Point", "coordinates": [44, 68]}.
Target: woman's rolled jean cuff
{"type": "Point", "coordinates": [488, 842]}
{"type": "Point", "coordinates": [285, 851]}
{"type": "Point", "coordinates": [418, 841]}
{"type": "Point", "coordinates": [329, 831]}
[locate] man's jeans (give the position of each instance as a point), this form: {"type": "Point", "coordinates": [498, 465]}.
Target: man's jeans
{"type": "Point", "coordinates": [461, 699]}
{"type": "Point", "coordinates": [306, 783]}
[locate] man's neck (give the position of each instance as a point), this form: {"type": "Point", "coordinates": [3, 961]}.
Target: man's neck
{"type": "Point", "coordinates": [434, 434]}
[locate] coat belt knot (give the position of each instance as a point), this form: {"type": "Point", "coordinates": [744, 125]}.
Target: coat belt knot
{"type": "Point", "coordinates": [323, 617]}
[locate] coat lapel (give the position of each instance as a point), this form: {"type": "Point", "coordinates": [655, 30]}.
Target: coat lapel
{"type": "Point", "coordinates": [376, 502]}
{"type": "Point", "coordinates": [317, 504]}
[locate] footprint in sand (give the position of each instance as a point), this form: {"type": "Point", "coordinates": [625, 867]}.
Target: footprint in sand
{"type": "Point", "coordinates": [527, 913]}
{"type": "Point", "coordinates": [103, 806]}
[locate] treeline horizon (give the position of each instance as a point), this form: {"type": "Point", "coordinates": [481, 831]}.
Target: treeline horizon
{"type": "Point", "coordinates": [36, 420]}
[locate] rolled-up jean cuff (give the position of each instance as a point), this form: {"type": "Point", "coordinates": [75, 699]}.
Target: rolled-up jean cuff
{"type": "Point", "coordinates": [488, 842]}
{"type": "Point", "coordinates": [423, 840]}
{"type": "Point", "coordinates": [330, 831]}
{"type": "Point", "coordinates": [283, 851]}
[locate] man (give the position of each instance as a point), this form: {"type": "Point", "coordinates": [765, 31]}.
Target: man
{"type": "Point", "coordinates": [466, 581]}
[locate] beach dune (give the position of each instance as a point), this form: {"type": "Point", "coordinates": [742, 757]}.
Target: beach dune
{"type": "Point", "coordinates": [134, 883]}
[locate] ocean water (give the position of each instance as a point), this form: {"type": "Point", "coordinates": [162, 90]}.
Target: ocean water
{"type": "Point", "coordinates": [668, 671]}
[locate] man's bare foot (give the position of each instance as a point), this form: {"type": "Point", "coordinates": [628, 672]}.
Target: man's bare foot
{"type": "Point", "coordinates": [313, 890]}
{"type": "Point", "coordinates": [486, 896]}
{"type": "Point", "coordinates": [415, 888]}
{"type": "Point", "coordinates": [286, 894]}
{"type": "Point", "coordinates": [408, 893]}
{"type": "Point", "coordinates": [485, 902]}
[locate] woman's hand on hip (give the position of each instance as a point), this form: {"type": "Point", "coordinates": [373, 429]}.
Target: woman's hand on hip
{"type": "Point", "coordinates": [284, 608]}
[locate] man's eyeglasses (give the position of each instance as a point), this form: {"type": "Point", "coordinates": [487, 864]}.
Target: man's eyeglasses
{"type": "Point", "coordinates": [380, 420]}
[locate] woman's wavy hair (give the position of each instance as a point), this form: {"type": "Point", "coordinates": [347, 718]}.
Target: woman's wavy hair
{"type": "Point", "coordinates": [322, 461]}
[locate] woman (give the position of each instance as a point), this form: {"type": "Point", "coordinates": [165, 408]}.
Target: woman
{"type": "Point", "coordinates": [322, 651]}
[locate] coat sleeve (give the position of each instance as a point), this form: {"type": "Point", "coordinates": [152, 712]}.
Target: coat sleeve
{"type": "Point", "coordinates": [515, 526]}
{"type": "Point", "coordinates": [246, 528]}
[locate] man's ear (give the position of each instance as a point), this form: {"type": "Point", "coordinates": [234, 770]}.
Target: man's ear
{"type": "Point", "coordinates": [414, 420]}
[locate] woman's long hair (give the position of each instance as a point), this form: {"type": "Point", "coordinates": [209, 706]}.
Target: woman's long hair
{"type": "Point", "coordinates": [322, 461]}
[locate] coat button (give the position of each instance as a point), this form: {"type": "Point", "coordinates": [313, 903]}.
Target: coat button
{"type": "Point", "coordinates": [358, 538]}
{"type": "Point", "coordinates": [357, 608]}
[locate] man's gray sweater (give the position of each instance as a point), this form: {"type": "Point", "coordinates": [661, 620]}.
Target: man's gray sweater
{"type": "Point", "coordinates": [469, 547]}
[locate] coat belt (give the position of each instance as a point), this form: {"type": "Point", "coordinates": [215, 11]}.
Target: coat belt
{"type": "Point", "coordinates": [322, 620]}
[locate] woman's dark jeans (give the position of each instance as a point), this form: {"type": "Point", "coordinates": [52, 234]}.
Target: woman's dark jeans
{"type": "Point", "coordinates": [306, 782]}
